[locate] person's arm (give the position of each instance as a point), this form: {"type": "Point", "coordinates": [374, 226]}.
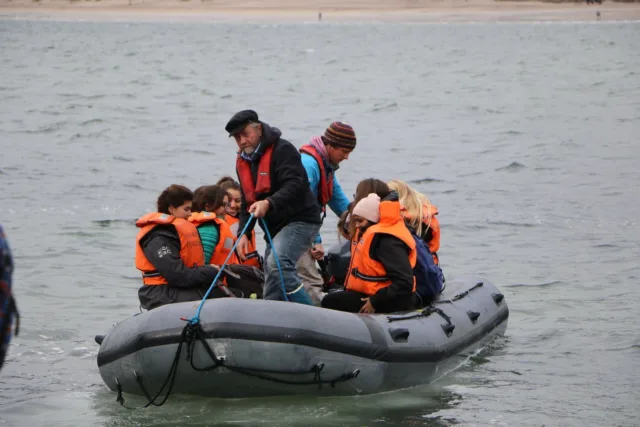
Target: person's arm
{"type": "Point", "coordinates": [290, 174]}
{"type": "Point", "coordinates": [339, 202]}
{"type": "Point", "coordinates": [393, 254]}
{"type": "Point", "coordinates": [162, 248]}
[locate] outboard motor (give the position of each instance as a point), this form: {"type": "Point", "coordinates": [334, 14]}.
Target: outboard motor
{"type": "Point", "coordinates": [338, 259]}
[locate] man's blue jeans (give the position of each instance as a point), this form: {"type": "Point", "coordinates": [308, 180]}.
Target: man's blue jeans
{"type": "Point", "coordinates": [289, 244]}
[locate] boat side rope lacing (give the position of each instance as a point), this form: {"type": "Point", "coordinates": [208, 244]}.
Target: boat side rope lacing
{"type": "Point", "coordinates": [447, 327]}
{"type": "Point", "coordinates": [428, 311]}
{"type": "Point", "coordinates": [191, 334]}
{"type": "Point", "coordinates": [460, 295]}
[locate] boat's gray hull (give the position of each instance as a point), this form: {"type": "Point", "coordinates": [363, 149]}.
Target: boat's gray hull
{"type": "Point", "coordinates": [285, 342]}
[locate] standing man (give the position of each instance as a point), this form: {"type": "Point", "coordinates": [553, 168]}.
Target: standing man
{"type": "Point", "coordinates": [321, 159]}
{"type": "Point", "coordinates": [275, 187]}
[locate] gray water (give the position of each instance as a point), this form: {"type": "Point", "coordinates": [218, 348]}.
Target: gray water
{"type": "Point", "coordinates": [524, 135]}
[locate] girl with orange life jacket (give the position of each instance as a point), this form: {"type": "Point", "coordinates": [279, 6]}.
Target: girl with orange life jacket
{"type": "Point", "coordinates": [364, 188]}
{"type": "Point", "coordinates": [169, 253]}
{"type": "Point", "coordinates": [231, 217]}
{"type": "Point", "coordinates": [420, 215]}
{"type": "Point", "coordinates": [209, 207]}
{"type": "Point", "coordinates": [383, 254]}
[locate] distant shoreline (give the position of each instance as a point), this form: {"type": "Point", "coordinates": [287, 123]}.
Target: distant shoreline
{"type": "Point", "coordinates": [316, 10]}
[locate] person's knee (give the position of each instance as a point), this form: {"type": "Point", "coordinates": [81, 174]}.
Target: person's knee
{"type": "Point", "coordinates": [284, 259]}
{"type": "Point", "coordinates": [293, 244]}
{"type": "Point", "coordinates": [328, 301]}
{"type": "Point", "coordinates": [324, 303]}
{"type": "Point", "coordinates": [284, 264]}
{"type": "Point", "coordinates": [270, 263]}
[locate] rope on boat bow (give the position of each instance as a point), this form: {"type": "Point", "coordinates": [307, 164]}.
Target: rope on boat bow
{"type": "Point", "coordinates": [193, 333]}
{"type": "Point", "coordinates": [169, 381]}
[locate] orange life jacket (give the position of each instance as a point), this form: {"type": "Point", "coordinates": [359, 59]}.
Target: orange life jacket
{"type": "Point", "coordinates": [326, 182]}
{"type": "Point", "coordinates": [255, 262]}
{"type": "Point", "coordinates": [226, 238]}
{"type": "Point", "coordinates": [258, 190]}
{"type": "Point", "coordinates": [365, 274]}
{"type": "Point", "coordinates": [430, 220]}
{"type": "Point", "coordinates": [191, 251]}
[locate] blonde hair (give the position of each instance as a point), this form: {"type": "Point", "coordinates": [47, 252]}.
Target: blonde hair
{"type": "Point", "coordinates": [413, 202]}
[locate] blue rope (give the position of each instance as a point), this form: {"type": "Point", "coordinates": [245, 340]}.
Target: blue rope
{"type": "Point", "coordinates": [196, 319]}
{"type": "Point", "coordinates": [275, 256]}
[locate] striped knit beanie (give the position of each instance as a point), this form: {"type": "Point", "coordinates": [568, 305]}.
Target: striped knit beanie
{"type": "Point", "coordinates": [341, 135]}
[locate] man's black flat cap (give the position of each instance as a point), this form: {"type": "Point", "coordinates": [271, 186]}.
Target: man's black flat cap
{"type": "Point", "coordinates": [240, 120]}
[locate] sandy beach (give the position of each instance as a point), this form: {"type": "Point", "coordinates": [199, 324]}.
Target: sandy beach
{"type": "Point", "coordinates": [317, 10]}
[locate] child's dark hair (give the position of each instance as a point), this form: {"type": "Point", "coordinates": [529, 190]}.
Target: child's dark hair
{"type": "Point", "coordinates": [228, 183]}
{"type": "Point", "coordinates": [197, 191]}
{"type": "Point", "coordinates": [346, 227]}
{"type": "Point", "coordinates": [174, 195]}
{"type": "Point", "coordinates": [371, 185]}
{"type": "Point", "coordinates": [211, 196]}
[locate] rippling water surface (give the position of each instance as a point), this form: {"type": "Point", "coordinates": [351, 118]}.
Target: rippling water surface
{"type": "Point", "coordinates": [524, 135]}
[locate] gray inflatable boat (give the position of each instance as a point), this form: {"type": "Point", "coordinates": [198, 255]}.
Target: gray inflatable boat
{"type": "Point", "coordinates": [247, 348]}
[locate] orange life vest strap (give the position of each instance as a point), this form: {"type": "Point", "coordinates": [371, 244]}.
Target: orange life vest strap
{"type": "Point", "coordinates": [325, 189]}
{"type": "Point", "coordinates": [258, 190]}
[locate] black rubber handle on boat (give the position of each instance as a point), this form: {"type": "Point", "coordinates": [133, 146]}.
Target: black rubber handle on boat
{"type": "Point", "coordinates": [497, 298]}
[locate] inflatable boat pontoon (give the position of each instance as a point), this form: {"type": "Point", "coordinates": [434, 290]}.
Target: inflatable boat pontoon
{"type": "Point", "coordinates": [247, 348]}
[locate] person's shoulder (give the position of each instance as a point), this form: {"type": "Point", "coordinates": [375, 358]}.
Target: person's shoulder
{"type": "Point", "coordinates": [284, 148]}
{"type": "Point", "coordinates": [162, 231]}
{"type": "Point", "coordinates": [284, 144]}
{"type": "Point", "coordinates": [308, 161]}
{"type": "Point", "coordinates": [387, 239]}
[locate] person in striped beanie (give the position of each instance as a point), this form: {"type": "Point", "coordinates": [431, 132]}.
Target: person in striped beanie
{"type": "Point", "coordinates": [321, 159]}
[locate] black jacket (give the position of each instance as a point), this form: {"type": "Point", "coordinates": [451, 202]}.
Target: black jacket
{"type": "Point", "coordinates": [291, 198]}
{"type": "Point", "coordinates": [393, 254]}
{"type": "Point", "coordinates": [161, 246]}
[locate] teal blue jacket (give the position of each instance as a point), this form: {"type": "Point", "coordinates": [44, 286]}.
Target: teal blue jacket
{"type": "Point", "coordinates": [209, 235]}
